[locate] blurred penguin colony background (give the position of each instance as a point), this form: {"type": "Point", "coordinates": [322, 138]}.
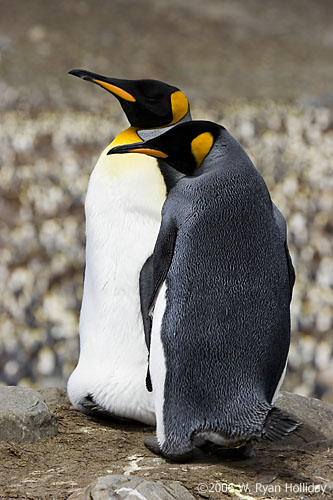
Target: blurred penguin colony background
{"type": "Point", "coordinates": [263, 69]}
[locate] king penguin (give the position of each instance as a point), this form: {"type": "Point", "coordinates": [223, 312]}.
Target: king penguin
{"type": "Point", "coordinates": [123, 215]}
{"type": "Point", "coordinates": [220, 297]}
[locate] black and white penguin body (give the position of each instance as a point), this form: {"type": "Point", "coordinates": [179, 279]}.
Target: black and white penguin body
{"type": "Point", "coordinates": [123, 215]}
{"type": "Point", "coordinates": [220, 296]}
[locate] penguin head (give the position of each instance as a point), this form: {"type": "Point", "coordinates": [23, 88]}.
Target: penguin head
{"type": "Point", "coordinates": [147, 103]}
{"type": "Point", "coordinates": [184, 147]}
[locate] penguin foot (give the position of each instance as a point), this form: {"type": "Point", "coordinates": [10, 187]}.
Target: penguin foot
{"type": "Point", "coordinates": [152, 445]}
{"type": "Point", "coordinates": [91, 407]}
{"type": "Point", "coordinates": [185, 457]}
{"type": "Point", "coordinates": [206, 446]}
{"type": "Point", "coordinates": [96, 411]}
{"type": "Point", "coordinates": [241, 453]}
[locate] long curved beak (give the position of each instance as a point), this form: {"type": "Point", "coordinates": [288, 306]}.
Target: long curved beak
{"type": "Point", "coordinates": [138, 147]}
{"type": "Point", "coordinates": [119, 88]}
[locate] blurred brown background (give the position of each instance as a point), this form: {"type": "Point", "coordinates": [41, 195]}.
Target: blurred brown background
{"type": "Point", "coordinates": [264, 69]}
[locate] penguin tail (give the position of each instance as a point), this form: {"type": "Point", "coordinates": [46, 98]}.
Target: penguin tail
{"type": "Point", "coordinates": [278, 425]}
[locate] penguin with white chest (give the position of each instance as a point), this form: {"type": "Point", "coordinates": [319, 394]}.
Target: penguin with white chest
{"type": "Point", "coordinates": [123, 215]}
{"type": "Point", "coordinates": [220, 296]}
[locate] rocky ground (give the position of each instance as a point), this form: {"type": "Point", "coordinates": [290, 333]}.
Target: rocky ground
{"type": "Point", "coordinates": [297, 468]}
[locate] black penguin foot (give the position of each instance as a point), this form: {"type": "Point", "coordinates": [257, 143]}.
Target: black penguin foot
{"type": "Point", "coordinates": [152, 445]}
{"type": "Point", "coordinates": [241, 453]}
{"type": "Point", "coordinates": [244, 452]}
{"type": "Point", "coordinates": [96, 411]}
{"type": "Point", "coordinates": [206, 446]}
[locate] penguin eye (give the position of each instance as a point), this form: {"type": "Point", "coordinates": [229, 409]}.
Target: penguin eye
{"type": "Point", "coordinates": [153, 96]}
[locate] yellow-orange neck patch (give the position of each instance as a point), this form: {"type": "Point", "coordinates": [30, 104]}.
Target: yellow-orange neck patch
{"type": "Point", "coordinates": [201, 146]}
{"type": "Point", "coordinates": [128, 136]}
{"type": "Point", "coordinates": [116, 90]}
{"type": "Point", "coordinates": [179, 106]}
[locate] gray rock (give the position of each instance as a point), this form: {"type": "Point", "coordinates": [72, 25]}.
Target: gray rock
{"type": "Point", "coordinates": [24, 415]}
{"type": "Point", "coordinates": [130, 487]}
{"type": "Point", "coordinates": [54, 397]}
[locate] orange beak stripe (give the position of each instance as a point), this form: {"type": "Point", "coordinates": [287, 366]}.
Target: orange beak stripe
{"type": "Point", "coordinates": [150, 152]}
{"type": "Point", "coordinates": [116, 90]}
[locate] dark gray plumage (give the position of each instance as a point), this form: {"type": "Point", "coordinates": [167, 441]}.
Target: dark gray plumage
{"type": "Point", "coordinates": [222, 253]}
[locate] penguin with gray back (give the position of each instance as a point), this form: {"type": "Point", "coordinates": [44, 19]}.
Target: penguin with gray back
{"type": "Point", "coordinates": [123, 215]}
{"type": "Point", "coordinates": [221, 285]}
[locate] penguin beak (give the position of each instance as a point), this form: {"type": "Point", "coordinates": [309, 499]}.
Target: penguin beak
{"type": "Point", "coordinates": [137, 148]}
{"type": "Point", "coordinates": [116, 86]}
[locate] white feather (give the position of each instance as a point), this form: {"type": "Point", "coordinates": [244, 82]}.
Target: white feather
{"type": "Point", "coordinates": [123, 213]}
{"type": "Point", "coordinates": [157, 366]}
{"type": "Point", "coordinates": [278, 387]}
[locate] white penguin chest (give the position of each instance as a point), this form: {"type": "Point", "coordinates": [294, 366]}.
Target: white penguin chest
{"type": "Point", "coordinates": [123, 213]}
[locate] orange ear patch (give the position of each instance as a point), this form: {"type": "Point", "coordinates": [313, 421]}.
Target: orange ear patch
{"type": "Point", "coordinates": [200, 147]}
{"type": "Point", "coordinates": [179, 106]}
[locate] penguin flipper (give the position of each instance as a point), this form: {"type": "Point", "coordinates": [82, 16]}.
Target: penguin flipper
{"type": "Point", "coordinates": [281, 223]}
{"type": "Point", "coordinates": [291, 270]}
{"type": "Point", "coordinates": [149, 386]}
{"type": "Point", "coordinates": [162, 256]}
{"type": "Point", "coordinates": [152, 276]}
{"type": "Point", "coordinates": [146, 293]}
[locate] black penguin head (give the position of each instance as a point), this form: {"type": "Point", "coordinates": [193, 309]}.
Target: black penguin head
{"type": "Point", "coordinates": [146, 103]}
{"type": "Point", "coordinates": [184, 147]}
